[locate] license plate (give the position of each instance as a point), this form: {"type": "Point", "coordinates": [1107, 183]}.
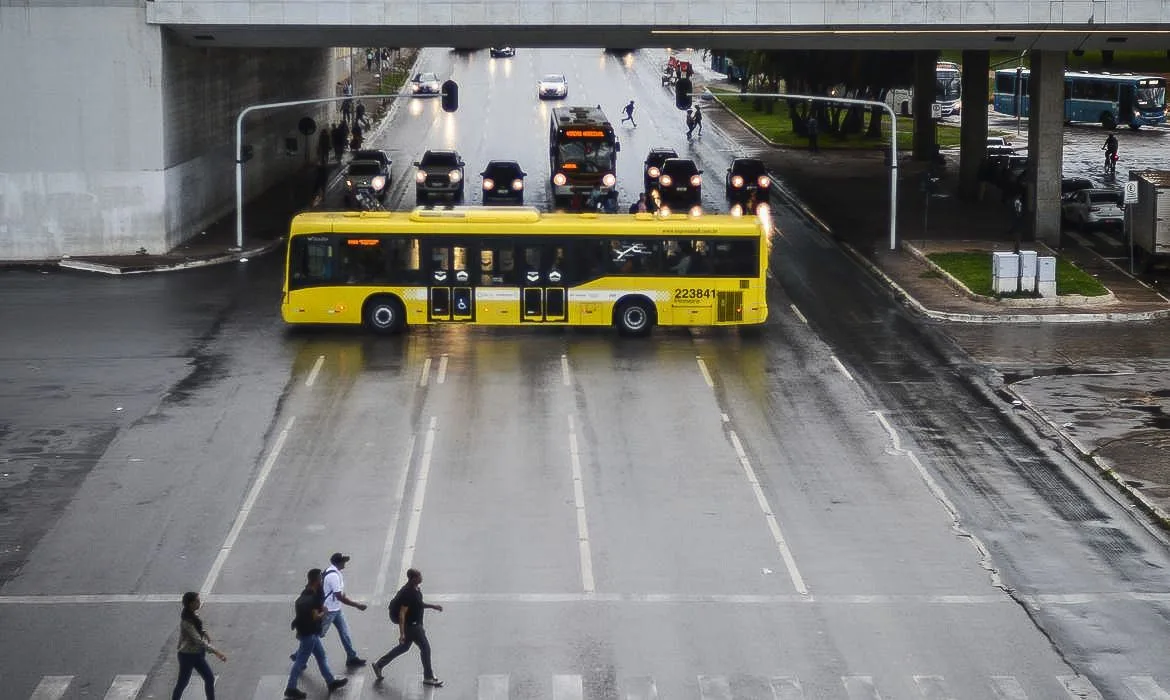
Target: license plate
{"type": "Point", "coordinates": [680, 189]}
{"type": "Point", "coordinates": [503, 191]}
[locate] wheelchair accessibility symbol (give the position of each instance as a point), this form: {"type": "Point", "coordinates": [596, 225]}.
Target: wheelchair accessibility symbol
{"type": "Point", "coordinates": [461, 305]}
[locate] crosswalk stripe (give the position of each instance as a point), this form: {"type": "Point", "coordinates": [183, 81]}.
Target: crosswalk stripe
{"type": "Point", "coordinates": [1146, 688]}
{"type": "Point", "coordinates": [355, 686]}
{"type": "Point", "coordinates": [860, 688]}
{"type": "Point", "coordinates": [270, 687]}
{"type": "Point", "coordinates": [567, 687]}
{"type": "Point", "coordinates": [493, 687]}
{"type": "Point", "coordinates": [51, 688]}
{"type": "Point", "coordinates": [641, 688]}
{"type": "Point", "coordinates": [125, 687]}
{"type": "Point", "coordinates": [714, 688]}
{"type": "Point", "coordinates": [786, 688]}
{"type": "Point", "coordinates": [1008, 688]}
{"type": "Point", "coordinates": [1079, 687]}
{"type": "Point", "coordinates": [932, 687]}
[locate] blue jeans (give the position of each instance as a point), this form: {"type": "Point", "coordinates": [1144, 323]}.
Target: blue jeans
{"type": "Point", "coordinates": [310, 644]}
{"type": "Point", "coordinates": [337, 619]}
{"type": "Point", "coordinates": [194, 662]}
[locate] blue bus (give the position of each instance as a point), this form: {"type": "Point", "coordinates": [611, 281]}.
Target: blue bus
{"type": "Point", "coordinates": [1105, 98]}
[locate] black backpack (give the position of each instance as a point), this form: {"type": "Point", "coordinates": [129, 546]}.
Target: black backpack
{"type": "Point", "coordinates": [395, 608]}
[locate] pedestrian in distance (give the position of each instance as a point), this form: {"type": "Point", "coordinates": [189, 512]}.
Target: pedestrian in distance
{"type": "Point", "coordinates": [355, 143]}
{"type": "Point", "coordinates": [310, 611]}
{"type": "Point", "coordinates": [360, 114]}
{"type": "Point", "coordinates": [338, 141]}
{"type": "Point", "coordinates": [369, 59]}
{"type": "Point", "coordinates": [811, 126]}
{"type": "Point", "coordinates": [690, 123]}
{"type": "Point", "coordinates": [629, 110]}
{"type": "Point", "coordinates": [639, 207]}
{"type": "Point", "coordinates": [194, 643]}
{"type": "Point", "coordinates": [699, 120]}
{"type": "Point", "coordinates": [406, 610]}
{"type": "Point", "coordinates": [324, 145]}
{"type": "Point", "coordinates": [346, 110]}
{"type": "Point", "coordinates": [333, 587]}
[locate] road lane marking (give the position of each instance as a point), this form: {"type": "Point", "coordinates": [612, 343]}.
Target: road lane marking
{"type": "Point", "coordinates": [932, 688]}
{"type": "Point", "coordinates": [1079, 688]}
{"type": "Point", "coordinates": [583, 547]}
{"type": "Point", "coordinates": [492, 687]}
{"type": "Point", "coordinates": [246, 508]}
{"type": "Point", "coordinates": [773, 525]}
{"type": "Point", "coordinates": [51, 688]}
{"type": "Point", "coordinates": [1146, 688]}
{"type": "Point", "coordinates": [1007, 688]}
{"type": "Point", "coordinates": [125, 687]}
{"type": "Point", "coordinates": [392, 531]}
{"type": "Point", "coordinates": [420, 493]}
{"type": "Point", "coordinates": [442, 368]}
{"type": "Point", "coordinates": [706, 374]}
{"type": "Point", "coordinates": [426, 372]}
{"type": "Point", "coordinates": [566, 378]}
{"type": "Point", "coordinates": [841, 367]}
{"type": "Point", "coordinates": [798, 314]}
{"type": "Point", "coordinates": [315, 371]}
{"type": "Point", "coordinates": [860, 688]}
{"type": "Point", "coordinates": [786, 688]}
{"type": "Point", "coordinates": [641, 688]}
{"type": "Point", "coordinates": [567, 687]}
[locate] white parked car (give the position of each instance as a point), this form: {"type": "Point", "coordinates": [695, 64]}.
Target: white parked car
{"type": "Point", "coordinates": [552, 87]}
{"type": "Point", "coordinates": [1088, 209]}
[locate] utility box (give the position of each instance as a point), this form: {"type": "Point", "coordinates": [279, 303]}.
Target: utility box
{"type": "Point", "coordinates": [1149, 218]}
{"type": "Point", "coordinates": [1005, 272]}
{"type": "Point", "coordinates": [1027, 270]}
{"type": "Point", "coordinates": [1046, 276]}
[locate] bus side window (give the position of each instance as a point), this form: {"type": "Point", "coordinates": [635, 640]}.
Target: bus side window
{"type": "Point", "coordinates": [313, 262]}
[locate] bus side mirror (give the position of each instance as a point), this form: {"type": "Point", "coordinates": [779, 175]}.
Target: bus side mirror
{"type": "Point", "coordinates": [682, 93]}
{"type": "Point", "coordinates": [450, 92]}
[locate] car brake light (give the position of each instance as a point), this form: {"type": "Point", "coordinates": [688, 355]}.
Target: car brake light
{"type": "Point", "coordinates": [737, 181]}
{"type": "Point", "coordinates": [665, 180]}
{"type": "Point", "coordinates": [696, 180]}
{"type": "Point", "coordinates": [488, 183]}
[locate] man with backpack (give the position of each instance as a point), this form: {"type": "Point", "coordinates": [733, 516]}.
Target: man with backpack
{"type": "Point", "coordinates": [333, 588]}
{"type": "Point", "coordinates": [406, 610]}
{"type": "Point", "coordinates": [310, 610]}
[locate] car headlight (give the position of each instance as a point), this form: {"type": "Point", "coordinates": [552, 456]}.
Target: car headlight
{"type": "Point", "coordinates": [517, 184]}
{"type": "Point", "coordinates": [763, 181]}
{"type": "Point", "coordinates": [455, 176]}
{"type": "Point", "coordinates": [696, 180]}
{"type": "Point", "coordinates": [420, 176]}
{"type": "Point", "coordinates": [695, 212]}
{"type": "Point", "coordinates": [653, 171]}
{"type": "Point", "coordinates": [665, 180]}
{"type": "Point", "coordinates": [764, 212]}
{"type": "Point", "coordinates": [737, 181]}
{"type": "Point", "coordinates": [378, 182]}
{"type": "Point", "coordinates": [736, 210]}
{"type": "Point", "coordinates": [608, 179]}
{"type": "Point", "coordinates": [560, 179]}
{"type": "Point", "coordinates": [664, 210]}
{"type": "Point", "coordinates": [488, 184]}
{"type": "Point", "coordinates": [349, 183]}
{"type": "Point", "coordinates": [414, 87]}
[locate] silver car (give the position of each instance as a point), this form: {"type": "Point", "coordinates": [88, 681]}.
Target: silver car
{"type": "Point", "coordinates": [1089, 209]}
{"type": "Point", "coordinates": [552, 87]}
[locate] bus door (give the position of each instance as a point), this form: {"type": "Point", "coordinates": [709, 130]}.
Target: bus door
{"type": "Point", "coordinates": [543, 294]}
{"type": "Point", "coordinates": [449, 281]}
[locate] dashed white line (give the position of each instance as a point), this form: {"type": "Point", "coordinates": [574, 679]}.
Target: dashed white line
{"type": "Point", "coordinates": [579, 502]}
{"type": "Point", "coordinates": [566, 378]}
{"type": "Point", "coordinates": [392, 531]}
{"type": "Point", "coordinates": [312, 379]}
{"type": "Point", "coordinates": [426, 372]}
{"type": "Point", "coordinates": [799, 315]}
{"type": "Point", "coordinates": [841, 368]}
{"type": "Point", "coordinates": [420, 493]}
{"type": "Point", "coordinates": [51, 688]}
{"type": "Point", "coordinates": [442, 368]}
{"type": "Point", "coordinates": [706, 373]}
{"type": "Point", "coordinates": [769, 516]}
{"type": "Point", "coordinates": [246, 508]}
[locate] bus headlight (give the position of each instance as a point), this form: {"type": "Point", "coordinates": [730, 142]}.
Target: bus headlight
{"type": "Point", "coordinates": [696, 180]}
{"type": "Point", "coordinates": [763, 181]}
{"type": "Point", "coordinates": [608, 179]}
{"type": "Point", "coordinates": [488, 184]}
{"type": "Point", "coordinates": [517, 184]}
{"type": "Point", "coordinates": [454, 176]}
{"type": "Point", "coordinates": [737, 181]}
{"type": "Point", "coordinates": [736, 210]}
{"type": "Point", "coordinates": [420, 177]}
{"type": "Point", "coordinates": [695, 212]}
{"type": "Point", "coordinates": [378, 182]}
{"type": "Point", "coordinates": [653, 171]}
{"type": "Point", "coordinates": [559, 179]}
{"type": "Point", "coordinates": [665, 180]}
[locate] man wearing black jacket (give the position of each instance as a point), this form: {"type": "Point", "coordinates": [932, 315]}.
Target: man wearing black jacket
{"type": "Point", "coordinates": [406, 609]}
{"type": "Point", "coordinates": [310, 608]}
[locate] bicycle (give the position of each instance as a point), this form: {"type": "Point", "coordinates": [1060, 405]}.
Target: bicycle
{"type": "Point", "coordinates": [1111, 163]}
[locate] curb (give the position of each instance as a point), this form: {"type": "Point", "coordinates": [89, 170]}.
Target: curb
{"type": "Point", "coordinates": [241, 256]}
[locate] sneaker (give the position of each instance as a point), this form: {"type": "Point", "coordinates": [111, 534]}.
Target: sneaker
{"type": "Point", "coordinates": [294, 693]}
{"type": "Point", "coordinates": [377, 670]}
{"type": "Point", "coordinates": [292, 657]}
{"type": "Point", "coordinates": [337, 683]}
{"type": "Point", "coordinates": [355, 662]}
{"type": "Point", "coordinates": [433, 682]}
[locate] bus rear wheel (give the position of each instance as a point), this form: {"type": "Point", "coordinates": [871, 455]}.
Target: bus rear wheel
{"type": "Point", "coordinates": [634, 317]}
{"type": "Point", "coordinates": [384, 314]}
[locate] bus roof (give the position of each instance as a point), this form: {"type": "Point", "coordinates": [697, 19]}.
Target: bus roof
{"type": "Point", "coordinates": [1121, 77]}
{"type": "Point", "coordinates": [519, 221]}
{"type": "Point", "coordinates": [565, 117]}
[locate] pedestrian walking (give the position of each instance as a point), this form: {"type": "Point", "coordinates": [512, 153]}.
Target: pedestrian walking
{"type": "Point", "coordinates": [629, 110]}
{"type": "Point", "coordinates": [699, 120]}
{"type": "Point", "coordinates": [333, 587]}
{"type": "Point", "coordinates": [811, 130]}
{"type": "Point", "coordinates": [355, 143]}
{"type": "Point", "coordinates": [360, 114]}
{"type": "Point", "coordinates": [310, 611]}
{"type": "Point", "coordinates": [324, 145]}
{"type": "Point", "coordinates": [194, 643]}
{"type": "Point", "coordinates": [406, 609]}
{"type": "Point", "coordinates": [690, 123]}
{"type": "Point", "coordinates": [346, 110]}
{"type": "Point", "coordinates": [338, 141]}
{"type": "Point", "coordinates": [369, 59]}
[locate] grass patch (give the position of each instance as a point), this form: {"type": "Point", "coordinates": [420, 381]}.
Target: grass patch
{"type": "Point", "coordinates": [973, 269]}
{"type": "Point", "coordinates": [777, 127]}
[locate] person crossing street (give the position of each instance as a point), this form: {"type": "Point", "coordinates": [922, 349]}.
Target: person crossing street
{"type": "Point", "coordinates": [406, 609]}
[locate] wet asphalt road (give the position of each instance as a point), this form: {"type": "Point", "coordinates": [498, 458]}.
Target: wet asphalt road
{"type": "Point", "coordinates": [836, 506]}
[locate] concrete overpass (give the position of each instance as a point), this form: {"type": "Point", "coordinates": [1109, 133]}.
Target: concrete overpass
{"type": "Point", "coordinates": [118, 122]}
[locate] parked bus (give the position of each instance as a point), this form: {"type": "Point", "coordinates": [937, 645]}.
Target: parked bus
{"type": "Point", "coordinates": [1108, 99]}
{"type": "Point", "coordinates": [512, 266]}
{"type": "Point", "coordinates": [948, 91]}
{"type": "Point", "coordinates": [582, 154]}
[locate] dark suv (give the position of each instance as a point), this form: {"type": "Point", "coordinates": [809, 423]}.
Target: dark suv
{"type": "Point", "coordinates": [747, 178]}
{"type": "Point", "coordinates": [503, 182]}
{"type": "Point", "coordinates": [366, 181]}
{"type": "Point", "coordinates": [680, 183]}
{"type": "Point", "coordinates": [439, 173]}
{"type": "Point", "coordinates": [653, 166]}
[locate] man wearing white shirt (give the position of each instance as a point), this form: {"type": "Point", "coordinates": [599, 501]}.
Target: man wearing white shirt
{"type": "Point", "coordinates": [333, 588]}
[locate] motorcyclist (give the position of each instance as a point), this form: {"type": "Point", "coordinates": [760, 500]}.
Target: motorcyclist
{"type": "Point", "coordinates": [1110, 149]}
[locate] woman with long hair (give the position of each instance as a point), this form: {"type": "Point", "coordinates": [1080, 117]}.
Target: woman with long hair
{"type": "Point", "coordinates": [193, 647]}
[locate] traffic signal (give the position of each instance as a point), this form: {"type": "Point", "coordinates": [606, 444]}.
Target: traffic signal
{"type": "Point", "coordinates": [450, 94]}
{"type": "Point", "coordinates": [682, 93]}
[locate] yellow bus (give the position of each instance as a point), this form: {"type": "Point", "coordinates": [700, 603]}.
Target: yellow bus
{"type": "Point", "coordinates": [514, 266]}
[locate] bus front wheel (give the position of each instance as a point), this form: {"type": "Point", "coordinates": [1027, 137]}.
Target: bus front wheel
{"type": "Point", "coordinates": [634, 317]}
{"type": "Point", "coordinates": [384, 314]}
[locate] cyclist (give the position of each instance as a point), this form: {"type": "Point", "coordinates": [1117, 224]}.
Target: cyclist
{"type": "Point", "coordinates": [1110, 149]}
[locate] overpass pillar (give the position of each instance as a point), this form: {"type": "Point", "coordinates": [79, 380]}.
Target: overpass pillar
{"type": "Point", "coordinates": [973, 131]}
{"type": "Point", "coordinates": [924, 92]}
{"type": "Point", "coordinates": [1045, 145]}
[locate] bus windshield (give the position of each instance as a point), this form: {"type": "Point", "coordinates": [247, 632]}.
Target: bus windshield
{"type": "Point", "coordinates": [1151, 97]}
{"type": "Point", "coordinates": [948, 86]}
{"type": "Point", "coordinates": [589, 156]}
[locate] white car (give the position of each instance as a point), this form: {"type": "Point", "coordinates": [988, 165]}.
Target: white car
{"type": "Point", "coordinates": [1088, 209]}
{"type": "Point", "coordinates": [425, 84]}
{"type": "Point", "coordinates": [552, 87]}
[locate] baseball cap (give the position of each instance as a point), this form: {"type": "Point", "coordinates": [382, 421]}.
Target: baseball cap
{"type": "Point", "coordinates": [338, 558]}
